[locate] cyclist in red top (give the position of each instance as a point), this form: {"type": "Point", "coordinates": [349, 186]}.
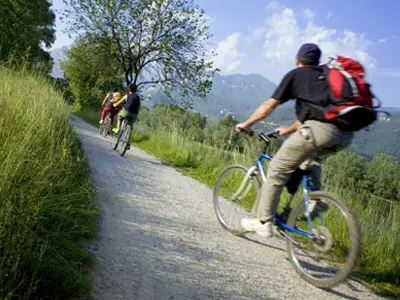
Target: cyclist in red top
{"type": "Point", "coordinates": [108, 102]}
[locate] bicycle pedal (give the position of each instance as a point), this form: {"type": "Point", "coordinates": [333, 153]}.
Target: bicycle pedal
{"type": "Point", "coordinates": [281, 232]}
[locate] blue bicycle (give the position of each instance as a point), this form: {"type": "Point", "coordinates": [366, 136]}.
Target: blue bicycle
{"type": "Point", "coordinates": [322, 234]}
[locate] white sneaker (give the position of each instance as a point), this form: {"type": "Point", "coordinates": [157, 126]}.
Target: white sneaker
{"type": "Point", "coordinates": [101, 122]}
{"type": "Point", "coordinates": [265, 230]}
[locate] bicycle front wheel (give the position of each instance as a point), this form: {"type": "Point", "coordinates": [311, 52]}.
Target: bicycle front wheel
{"type": "Point", "coordinates": [124, 139]}
{"type": "Point", "coordinates": [115, 140]}
{"type": "Point", "coordinates": [235, 193]}
{"type": "Point", "coordinates": [331, 256]}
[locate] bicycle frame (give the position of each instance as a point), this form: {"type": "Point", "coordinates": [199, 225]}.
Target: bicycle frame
{"type": "Point", "coordinates": [278, 217]}
{"type": "Point", "coordinates": [124, 124]}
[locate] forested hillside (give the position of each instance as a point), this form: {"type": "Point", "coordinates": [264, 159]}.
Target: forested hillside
{"type": "Point", "coordinates": [239, 95]}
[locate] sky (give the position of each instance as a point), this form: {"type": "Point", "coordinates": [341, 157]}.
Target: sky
{"type": "Point", "coordinates": [256, 36]}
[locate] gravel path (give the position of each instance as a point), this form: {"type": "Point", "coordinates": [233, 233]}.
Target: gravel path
{"type": "Point", "coordinates": [159, 238]}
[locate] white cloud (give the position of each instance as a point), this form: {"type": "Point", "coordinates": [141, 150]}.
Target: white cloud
{"type": "Point", "coordinates": [272, 5]}
{"type": "Point", "coordinates": [256, 35]}
{"type": "Point", "coordinates": [284, 32]}
{"type": "Point", "coordinates": [228, 57]}
{"type": "Point", "coordinates": [382, 40]}
{"type": "Point", "coordinates": [329, 15]}
{"type": "Point", "coordinates": [390, 72]}
{"type": "Point", "coordinates": [309, 14]}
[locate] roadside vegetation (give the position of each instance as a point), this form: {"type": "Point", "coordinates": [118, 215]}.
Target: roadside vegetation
{"type": "Point", "coordinates": [45, 209]}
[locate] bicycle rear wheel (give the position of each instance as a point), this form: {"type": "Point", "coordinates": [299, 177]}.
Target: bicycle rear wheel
{"type": "Point", "coordinates": [106, 126]}
{"type": "Point", "coordinates": [234, 196]}
{"type": "Point", "coordinates": [331, 257]}
{"type": "Point", "coordinates": [101, 128]}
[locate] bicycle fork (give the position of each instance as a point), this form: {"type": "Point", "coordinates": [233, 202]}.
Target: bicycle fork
{"type": "Point", "coordinates": [243, 184]}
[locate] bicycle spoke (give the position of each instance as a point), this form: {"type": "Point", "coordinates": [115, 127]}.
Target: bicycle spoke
{"type": "Point", "coordinates": [327, 260]}
{"type": "Point", "coordinates": [234, 195]}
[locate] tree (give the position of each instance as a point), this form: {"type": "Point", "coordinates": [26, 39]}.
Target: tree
{"type": "Point", "coordinates": [91, 72]}
{"type": "Point", "coordinates": [224, 135]}
{"type": "Point", "coordinates": [159, 43]}
{"type": "Point", "coordinates": [345, 169]}
{"type": "Point", "coordinates": [62, 85]}
{"type": "Point", "coordinates": [24, 27]}
{"type": "Point", "coordinates": [383, 176]}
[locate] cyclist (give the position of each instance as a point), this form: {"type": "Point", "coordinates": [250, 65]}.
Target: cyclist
{"type": "Point", "coordinates": [107, 103]}
{"type": "Point", "coordinates": [130, 110]}
{"type": "Point", "coordinates": [308, 86]}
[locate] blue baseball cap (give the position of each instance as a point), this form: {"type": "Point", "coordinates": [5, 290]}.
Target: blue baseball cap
{"type": "Point", "coordinates": [310, 52]}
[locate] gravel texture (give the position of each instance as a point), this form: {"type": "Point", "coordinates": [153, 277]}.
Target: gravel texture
{"type": "Point", "coordinates": [160, 239]}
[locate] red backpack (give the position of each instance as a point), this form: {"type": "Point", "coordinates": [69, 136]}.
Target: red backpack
{"type": "Point", "coordinates": [351, 105]}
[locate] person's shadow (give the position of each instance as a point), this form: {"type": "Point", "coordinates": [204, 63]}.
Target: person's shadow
{"type": "Point", "coordinates": [329, 290]}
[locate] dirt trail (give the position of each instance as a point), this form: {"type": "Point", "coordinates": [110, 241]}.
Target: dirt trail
{"type": "Point", "coordinates": [159, 238]}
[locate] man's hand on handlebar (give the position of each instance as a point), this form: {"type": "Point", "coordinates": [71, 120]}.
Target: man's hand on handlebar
{"type": "Point", "coordinates": [281, 131]}
{"type": "Point", "coordinates": [242, 128]}
{"type": "Point", "coordinates": [265, 136]}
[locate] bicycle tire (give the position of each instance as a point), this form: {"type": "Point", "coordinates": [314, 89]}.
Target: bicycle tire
{"type": "Point", "coordinates": [354, 233]}
{"type": "Point", "coordinates": [236, 230]}
{"type": "Point", "coordinates": [105, 127]}
{"type": "Point", "coordinates": [124, 139]}
{"type": "Point", "coordinates": [101, 128]}
{"type": "Point", "coordinates": [114, 140]}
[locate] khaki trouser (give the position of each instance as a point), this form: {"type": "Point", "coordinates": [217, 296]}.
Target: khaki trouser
{"type": "Point", "coordinates": [124, 114]}
{"type": "Point", "coordinates": [300, 148]}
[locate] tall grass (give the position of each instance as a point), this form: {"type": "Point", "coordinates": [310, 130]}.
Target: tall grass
{"type": "Point", "coordinates": [45, 212]}
{"type": "Point", "coordinates": [380, 220]}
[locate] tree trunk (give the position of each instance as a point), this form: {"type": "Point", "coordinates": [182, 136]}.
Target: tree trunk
{"type": "Point", "coordinates": [128, 77]}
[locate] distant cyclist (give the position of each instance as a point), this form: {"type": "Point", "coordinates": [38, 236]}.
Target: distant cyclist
{"type": "Point", "coordinates": [107, 103]}
{"type": "Point", "coordinates": [130, 109]}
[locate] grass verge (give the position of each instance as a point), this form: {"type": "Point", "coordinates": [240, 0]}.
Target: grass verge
{"type": "Point", "coordinates": [379, 265]}
{"type": "Point", "coordinates": [45, 208]}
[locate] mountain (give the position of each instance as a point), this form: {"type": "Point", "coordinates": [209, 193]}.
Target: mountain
{"type": "Point", "coordinates": [381, 137]}
{"type": "Point", "coordinates": [237, 95]}
{"type": "Point", "coordinates": [58, 55]}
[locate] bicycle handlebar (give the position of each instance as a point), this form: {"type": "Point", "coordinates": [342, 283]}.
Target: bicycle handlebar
{"type": "Point", "coordinates": [265, 136]}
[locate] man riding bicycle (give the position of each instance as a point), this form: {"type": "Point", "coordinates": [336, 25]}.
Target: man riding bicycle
{"type": "Point", "coordinates": [130, 109]}
{"type": "Point", "coordinates": [306, 83]}
{"type": "Point", "coordinates": [107, 103]}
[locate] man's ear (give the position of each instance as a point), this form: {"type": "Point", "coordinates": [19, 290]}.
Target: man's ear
{"type": "Point", "coordinates": [298, 62]}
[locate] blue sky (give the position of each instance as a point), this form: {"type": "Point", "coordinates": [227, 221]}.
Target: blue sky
{"type": "Point", "coordinates": [256, 36]}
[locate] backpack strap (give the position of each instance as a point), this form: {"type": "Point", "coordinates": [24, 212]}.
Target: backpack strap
{"type": "Point", "coordinates": [334, 64]}
{"type": "Point", "coordinates": [326, 68]}
{"type": "Point", "coordinates": [376, 98]}
{"type": "Point", "coordinates": [353, 85]}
